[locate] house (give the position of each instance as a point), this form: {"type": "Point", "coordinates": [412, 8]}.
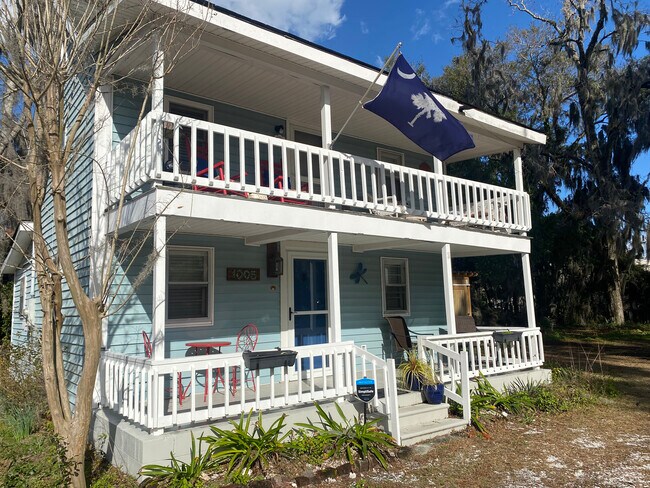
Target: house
{"type": "Point", "coordinates": [239, 212]}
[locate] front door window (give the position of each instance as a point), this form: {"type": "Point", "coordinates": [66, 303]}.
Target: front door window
{"type": "Point", "coordinates": [309, 311]}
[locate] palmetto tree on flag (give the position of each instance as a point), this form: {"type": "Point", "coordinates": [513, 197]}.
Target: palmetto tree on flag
{"type": "Point", "coordinates": [427, 106]}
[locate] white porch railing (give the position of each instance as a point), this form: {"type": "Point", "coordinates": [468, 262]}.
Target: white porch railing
{"type": "Point", "coordinates": [453, 370]}
{"type": "Point", "coordinates": [147, 391]}
{"type": "Point", "coordinates": [211, 157]}
{"type": "Point", "coordinates": [489, 357]}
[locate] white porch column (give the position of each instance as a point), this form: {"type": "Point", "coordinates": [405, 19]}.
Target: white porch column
{"type": "Point", "coordinates": [159, 278]}
{"type": "Point", "coordinates": [528, 290]}
{"type": "Point", "coordinates": [326, 135]}
{"type": "Point", "coordinates": [519, 174]}
{"type": "Point", "coordinates": [158, 85]}
{"type": "Point", "coordinates": [333, 287]}
{"type": "Point", "coordinates": [525, 258]}
{"type": "Point", "coordinates": [325, 116]}
{"type": "Point", "coordinates": [438, 166]}
{"type": "Point", "coordinates": [448, 285]}
{"type": "Point", "coordinates": [102, 165]}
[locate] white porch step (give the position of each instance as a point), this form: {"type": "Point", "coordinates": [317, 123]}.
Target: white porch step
{"type": "Point", "coordinates": [408, 398]}
{"type": "Point", "coordinates": [419, 433]}
{"type": "Point", "coordinates": [422, 414]}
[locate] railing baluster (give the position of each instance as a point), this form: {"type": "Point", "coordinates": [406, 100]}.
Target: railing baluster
{"type": "Point", "coordinates": [258, 164]}
{"type": "Point", "coordinates": [226, 158]}
{"type": "Point", "coordinates": [242, 160]}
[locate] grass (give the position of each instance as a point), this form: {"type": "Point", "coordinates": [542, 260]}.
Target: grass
{"type": "Point", "coordinates": [626, 333]}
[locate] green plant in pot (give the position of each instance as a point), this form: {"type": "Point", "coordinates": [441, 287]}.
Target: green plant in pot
{"type": "Point", "coordinates": [413, 371]}
{"type": "Point", "coordinates": [433, 389]}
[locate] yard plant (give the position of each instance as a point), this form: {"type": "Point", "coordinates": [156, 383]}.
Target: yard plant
{"type": "Point", "coordinates": [355, 439]}
{"type": "Point", "coordinates": [246, 451]}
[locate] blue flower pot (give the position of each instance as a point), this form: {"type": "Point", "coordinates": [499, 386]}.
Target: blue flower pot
{"type": "Point", "coordinates": [434, 394]}
{"type": "Point", "coordinates": [413, 382]}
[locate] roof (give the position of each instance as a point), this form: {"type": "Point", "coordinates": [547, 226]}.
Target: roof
{"type": "Point", "coordinates": [247, 64]}
{"type": "Point", "coordinates": [460, 106]}
{"type": "Point", "coordinates": [20, 248]}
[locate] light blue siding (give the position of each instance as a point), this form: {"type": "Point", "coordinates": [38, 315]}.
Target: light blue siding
{"type": "Point", "coordinates": [235, 303]}
{"type": "Point", "coordinates": [361, 304]}
{"type": "Point", "coordinates": [239, 303]}
{"type": "Point", "coordinates": [127, 105]}
{"type": "Point", "coordinates": [78, 201]}
{"type": "Point", "coordinates": [19, 322]}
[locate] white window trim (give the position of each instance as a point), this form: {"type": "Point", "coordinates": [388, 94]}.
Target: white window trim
{"type": "Point", "coordinates": [405, 263]}
{"type": "Point", "coordinates": [188, 103]}
{"type": "Point", "coordinates": [22, 299]}
{"type": "Point", "coordinates": [200, 322]}
{"type": "Point", "coordinates": [382, 152]}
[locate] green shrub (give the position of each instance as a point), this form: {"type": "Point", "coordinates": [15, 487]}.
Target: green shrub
{"type": "Point", "coordinates": [21, 421]}
{"type": "Point", "coordinates": [180, 474]}
{"type": "Point", "coordinates": [305, 444]}
{"type": "Point", "coordinates": [21, 381]}
{"type": "Point", "coordinates": [37, 461]}
{"type": "Point", "coordinates": [245, 451]}
{"type": "Point", "coordinates": [351, 438]}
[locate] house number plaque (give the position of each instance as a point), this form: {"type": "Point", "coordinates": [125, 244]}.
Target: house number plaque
{"type": "Point", "coordinates": [243, 274]}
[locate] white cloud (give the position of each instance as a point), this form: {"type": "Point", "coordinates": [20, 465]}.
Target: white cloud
{"type": "Point", "coordinates": [436, 37]}
{"type": "Point", "coordinates": [311, 19]}
{"type": "Point", "coordinates": [364, 27]}
{"type": "Point", "coordinates": [421, 26]}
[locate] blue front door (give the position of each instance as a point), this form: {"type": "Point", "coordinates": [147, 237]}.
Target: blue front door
{"type": "Point", "coordinates": [309, 311]}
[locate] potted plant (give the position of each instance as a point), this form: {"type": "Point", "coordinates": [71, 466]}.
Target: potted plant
{"type": "Point", "coordinates": [413, 371]}
{"type": "Point", "coordinates": [433, 388]}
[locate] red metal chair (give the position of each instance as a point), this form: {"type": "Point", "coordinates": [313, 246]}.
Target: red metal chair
{"type": "Point", "coordinates": [246, 341]}
{"type": "Point", "coordinates": [279, 182]}
{"type": "Point", "coordinates": [182, 391]}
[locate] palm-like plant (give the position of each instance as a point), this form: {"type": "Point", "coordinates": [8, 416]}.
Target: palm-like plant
{"type": "Point", "coordinates": [352, 437]}
{"type": "Point", "coordinates": [413, 371]}
{"type": "Point", "coordinates": [180, 473]}
{"type": "Point", "coordinates": [243, 450]}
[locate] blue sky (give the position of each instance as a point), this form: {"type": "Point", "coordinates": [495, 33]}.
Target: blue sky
{"type": "Point", "coordinates": [369, 30]}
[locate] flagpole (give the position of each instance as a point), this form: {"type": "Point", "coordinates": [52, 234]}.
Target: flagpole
{"type": "Point", "coordinates": [399, 45]}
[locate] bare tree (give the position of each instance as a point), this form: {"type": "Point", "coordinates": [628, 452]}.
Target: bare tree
{"type": "Point", "coordinates": [52, 50]}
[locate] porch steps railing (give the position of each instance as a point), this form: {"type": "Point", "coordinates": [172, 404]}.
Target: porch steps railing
{"type": "Point", "coordinates": [212, 157]}
{"type": "Point", "coordinates": [146, 391]}
{"type": "Point", "coordinates": [487, 356]}
{"type": "Point", "coordinates": [453, 371]}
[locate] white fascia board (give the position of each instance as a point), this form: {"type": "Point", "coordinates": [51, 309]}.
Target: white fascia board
{"type": "Point", "coordinates": [20, 248]}
{"type": "Point", "coordinates": [191, 205]}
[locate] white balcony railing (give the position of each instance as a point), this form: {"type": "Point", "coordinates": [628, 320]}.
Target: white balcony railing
{"type": "Point", "coordinates": [487, 356]}
{"type": "Point", "coordinates": [148, 392]}
{"type": "Point", "coordinates": [215, 158]}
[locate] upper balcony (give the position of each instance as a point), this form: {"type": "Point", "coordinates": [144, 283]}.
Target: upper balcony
{"type": "Point", "coordinates": [250, 79]}
{"type": "Point", "coordinates": [195, 155]}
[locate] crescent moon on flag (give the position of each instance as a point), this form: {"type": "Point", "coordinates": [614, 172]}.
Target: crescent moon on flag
{"type": "Point", "coordinates": [406, 76]}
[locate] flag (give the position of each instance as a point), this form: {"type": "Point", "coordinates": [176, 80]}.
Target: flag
{"type": "Point", "coordinates": [409, 105]}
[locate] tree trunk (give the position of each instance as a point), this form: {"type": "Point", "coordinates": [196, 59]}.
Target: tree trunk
{"type": "Point", "coordinates": [615, 288]}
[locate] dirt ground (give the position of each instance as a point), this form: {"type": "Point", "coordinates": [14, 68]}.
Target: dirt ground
{"type": "Point", "coordinates": [603, 445]}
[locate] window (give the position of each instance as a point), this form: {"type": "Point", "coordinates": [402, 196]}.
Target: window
{"type": "Point", "coordinates": [395, 286]}
{"type": "Point", "coordinates": [388, 156]}
{"type": "Point", "coordinates": [22, 298]}
{"type": "Point", "coordinates": [190, 296]}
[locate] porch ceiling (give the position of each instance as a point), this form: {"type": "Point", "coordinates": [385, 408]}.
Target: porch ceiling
{"type": "Point", "coordinates": [281, 77]}
{"type": "Point", "coordinates": [360, 243]}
